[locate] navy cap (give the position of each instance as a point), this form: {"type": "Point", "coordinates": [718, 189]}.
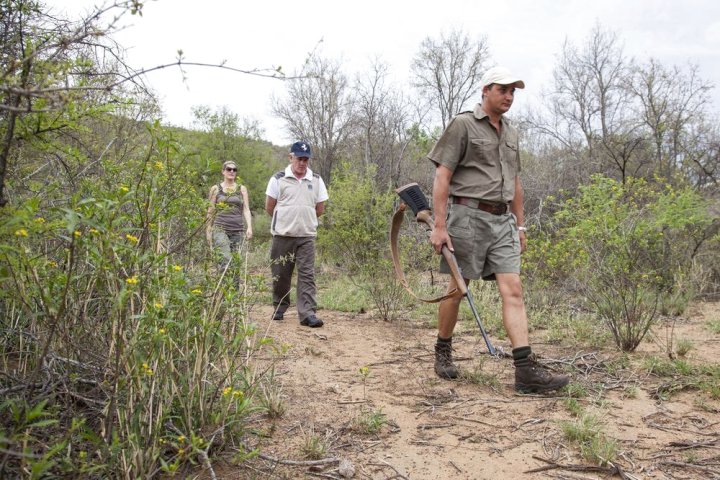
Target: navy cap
{"type": "Point", "coordinates": [301, 149]}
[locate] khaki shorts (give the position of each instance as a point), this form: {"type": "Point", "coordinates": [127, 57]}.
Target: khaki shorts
{"type": "Point", "coordinates": [485, 244]}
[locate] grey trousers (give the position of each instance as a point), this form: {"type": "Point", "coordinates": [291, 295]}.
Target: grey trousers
{"type": "Point", "coordinates": [226, 243]}
{"type": "Point", "coordinates": [286, 253]}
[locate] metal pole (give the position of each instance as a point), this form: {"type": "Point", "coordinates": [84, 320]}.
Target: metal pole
{"type": "Point", "coordinates": [490, 348]}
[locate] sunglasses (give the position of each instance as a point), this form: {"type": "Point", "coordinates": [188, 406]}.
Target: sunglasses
{"type": "Point", "coordinates": [230, 169]}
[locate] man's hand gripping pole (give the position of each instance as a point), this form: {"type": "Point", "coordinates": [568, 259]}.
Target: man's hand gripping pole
{"type": "Point", "coordinates": [413, 197]}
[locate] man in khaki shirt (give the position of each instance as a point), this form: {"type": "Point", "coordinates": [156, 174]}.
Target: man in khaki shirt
{"type": "Point", "coordinates": [478, 202]}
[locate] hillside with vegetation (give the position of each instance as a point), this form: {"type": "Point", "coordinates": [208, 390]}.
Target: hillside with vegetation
{"type": "Point", "coordinates": [125, 353]}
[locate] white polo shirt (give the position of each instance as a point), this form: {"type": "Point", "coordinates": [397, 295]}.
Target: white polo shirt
{"type": "Point", "coordinates": [294, 214]}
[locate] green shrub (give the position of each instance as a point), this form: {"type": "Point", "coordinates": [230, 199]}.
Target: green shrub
{"type": "Point", "coordinates": [112, 301]}
{"type": "Point", "coordinates": [683, 347]}
{"type": "Point", "coordinates": [369, 421]}
{"type": "Point", "coordinates": [714, 326]}
{"type": "Point", "coordinates": [624, 246]}
{"type": "Point", "coordinates": [355, 237]}
{"type": "Point", "coordinates": [586, 431]}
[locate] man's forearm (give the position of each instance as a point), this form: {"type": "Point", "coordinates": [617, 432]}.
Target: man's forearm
{"type": "Point", "coordinates": [441, 187]}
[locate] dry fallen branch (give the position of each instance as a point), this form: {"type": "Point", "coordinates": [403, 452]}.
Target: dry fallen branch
{"type": "Point", "coordinates": [303, 463]}
{"type": "Point", "coordinates": [671, 463]}
{"type": "Point", "coordinates": [687, 444]}
{"type": "Point", "coordinates": [613, 469]}
{"type": "Point", "coordinates": [428, 426]}
{"type": "Point", "coordinates": [384, 463]}
{"type": "Point", "coordinates": [324, 475]}
{"type": "Point", "coordinates": [464, 419]}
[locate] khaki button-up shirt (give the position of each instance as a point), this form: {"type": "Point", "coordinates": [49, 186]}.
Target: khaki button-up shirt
{"type": "Point", "coordinates": [484, 164]}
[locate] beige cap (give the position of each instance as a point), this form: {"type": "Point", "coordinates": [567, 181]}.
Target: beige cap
{"type": "Point", "coordinates": [501, 76]}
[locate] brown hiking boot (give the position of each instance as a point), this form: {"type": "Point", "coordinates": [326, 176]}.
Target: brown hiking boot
{"type": "Point", "coordinates": [444, 366]}
{"type": "Point", "coordinates": [532, 377]}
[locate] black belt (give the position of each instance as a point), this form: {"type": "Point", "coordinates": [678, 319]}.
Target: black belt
{"type": "Point", "coordinates": [494, 208]}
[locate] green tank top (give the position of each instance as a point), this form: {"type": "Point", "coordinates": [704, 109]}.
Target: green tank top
{"type": "Point", "coordinates": [229, 210]}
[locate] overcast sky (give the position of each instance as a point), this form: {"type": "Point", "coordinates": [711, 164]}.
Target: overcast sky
{"type": "Point", "coordinates": [524, 35]}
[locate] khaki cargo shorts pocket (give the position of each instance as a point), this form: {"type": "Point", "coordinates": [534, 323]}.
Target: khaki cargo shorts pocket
{"type": "Point", "coordinates": [458, 223]}
{"type": "Point", "coordinates": [461, 231]}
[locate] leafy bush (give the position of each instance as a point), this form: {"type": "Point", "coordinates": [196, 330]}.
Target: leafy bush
{"type": "Point", "coordinates": [356, 237]}
{"type": "Point", "coordinates": [110, 313]}
{"type": "Point", "coordinates": [625, 246]}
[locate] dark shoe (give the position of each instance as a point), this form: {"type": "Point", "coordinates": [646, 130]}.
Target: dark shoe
{"type": "Point", "coordinates": [278, 315]}
{"type": "Point", "coordinates": [312, 321]}
{"type": "Point", "coordinates": [536, 378]}
{"type": "Point", "coordinates": [444, 366]}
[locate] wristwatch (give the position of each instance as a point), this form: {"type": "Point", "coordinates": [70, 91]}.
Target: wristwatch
{"type": "Point", "coordinates": [522, 229]}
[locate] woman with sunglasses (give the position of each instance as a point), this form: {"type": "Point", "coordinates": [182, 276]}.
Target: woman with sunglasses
{"type": "Point", "coordinates": [228, 217]}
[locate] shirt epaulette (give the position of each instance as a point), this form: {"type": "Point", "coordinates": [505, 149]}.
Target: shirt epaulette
{"type": "Point", "coordinates": [316, 175]}
{"type": "Point", "coordinates": [279, 175]}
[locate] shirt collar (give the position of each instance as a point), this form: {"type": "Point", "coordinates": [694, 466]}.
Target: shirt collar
{"type": "Point", "coordinates": [479, 112]}
{"type": "Point", "coordinates": [289, 173]}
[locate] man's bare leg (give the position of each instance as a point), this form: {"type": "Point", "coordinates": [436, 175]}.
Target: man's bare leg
{"type": "Point", "coordinates": [530, 376]}
{"type": "Point", "coordinates": [513, 309]}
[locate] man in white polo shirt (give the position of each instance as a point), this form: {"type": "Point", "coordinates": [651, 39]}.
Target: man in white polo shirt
{"type": "Point", "coordinates": [295, 199]}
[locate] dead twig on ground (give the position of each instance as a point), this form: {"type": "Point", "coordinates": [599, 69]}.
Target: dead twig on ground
{"type": "Point", "coordinates": [464, 419]}
{"type": "Point", "coordinates": [530, 421]}
{"type": "Point", "coordinates": [612, 469]}
{"type": "Point", "coordinates": [688, 444]}
{"type": "Point", "coordinates": [694, 466]}
{"type": "Point", "coordinates": [384, 463]}
{"type": "Point", "coordinates": [302, 463]}
{"type": "Point", "coordinates": [324, 475]}
{"type": "Point", "coordinates": [428, 426]}
{"type": "Point", "coordinates": [386, 362]}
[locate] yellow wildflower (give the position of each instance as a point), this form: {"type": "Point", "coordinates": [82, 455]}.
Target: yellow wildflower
{"type": "Point", "coordinates": [52, 264]}
{"type": "Point", "coordinates": [124, 189]}
{"type": "Point", "coordinates": [196, 291]}
{"type": "Point", "coordinates": [94, 231]}
{"type": "Point", "coordinates": [21, 233]}
{"type": "Point", "coordinates": [181, 438]}
{"type": "Point", "coordinates": [161, 331]}
{"type": "Point", "coordinates": [227, 391]}
{"type": "Point", "coordinates": [148, 371]}
{"type": "Point", "coordinates": [237, 394]}
{"type": "Point", "coordinates": [132, 238]}
{"type": "Point", "coordinates": [158, 305]}
{"type": "Point", "coordinates": [177, 268]}
{"type": "Point", "coordinates": [132, 280]}
{"type": "Point", "coordinates": [77, 233]}
{"type": "Point", "coordinates": [159, 165]}
{"type": "Point", "coordinates": [40, 220]}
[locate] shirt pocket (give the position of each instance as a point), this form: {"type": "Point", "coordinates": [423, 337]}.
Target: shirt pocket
{"type": "Point", "coordinates": [483, 148]}
{"type": "Point", "coordinates": [510, 152]}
